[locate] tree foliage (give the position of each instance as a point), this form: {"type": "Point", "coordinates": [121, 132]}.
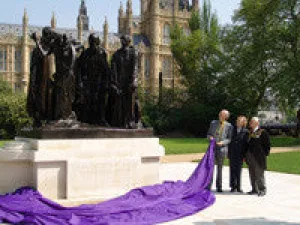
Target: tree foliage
{"type": "Point", "coordinates": [13, 115]}
{"type": "Point", "coordinates": [263, 48]}
{"type": "Point", "coordinates": [237, 65]}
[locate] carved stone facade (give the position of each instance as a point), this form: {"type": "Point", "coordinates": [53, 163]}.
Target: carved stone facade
{"type": "Point", "coordinates": [150, 34]}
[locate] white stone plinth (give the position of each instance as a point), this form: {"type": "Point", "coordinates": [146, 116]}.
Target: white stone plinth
{"type": "Point", "coordinates": [81, 168]}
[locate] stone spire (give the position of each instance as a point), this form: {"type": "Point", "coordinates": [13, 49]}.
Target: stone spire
{"type": "Point", "coordinates": [53, 21]}
{"type": "Point", "coordinates": [51, 58]}
{"type": "Point", "coordinates": [83, 16]}
{"type": "Point", "coordinates": [129, 7]}
{"type": "Point", "coordinates": [25, 52]}
{"type": "Point", "coordinates": [83, 9]}
{"type": "Point", "coordinates": [195, 4]}
{"type": "Point", "coordinates": [129, 19]}
{"type": "Point", "coordinates": [79, 30]}
{"type": "Point", "coordinates": [105, 34]}
{"type": "Point", "coordinates": [143, 9]}
{"type": "Point", "coordinates": [154, 36]}
{"type": "Point", "coordinates": [121, 19]}
{"type": "Point", "coordinates": [25, 18]}
{"type": "Point", "coordinates": [121, 10]}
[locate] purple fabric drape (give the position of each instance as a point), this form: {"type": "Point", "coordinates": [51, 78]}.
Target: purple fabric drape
{"type": "Point", "coordinates": [146, 205]}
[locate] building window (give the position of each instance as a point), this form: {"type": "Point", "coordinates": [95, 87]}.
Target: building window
{"type": "Point", "coordinates": [18, 57]}
{"type": "Point", "coordinates": [187, 31]}
{"type": "Point", "coordinates": [165, 4]}
{"type": "Point", "coordinates": [184, 4]}
{"type": "Point", "coordinates": [166, 68]}
{"type": "Point", "coordinates": [18, 88]}
{"type": "Point", "coordinates": [147, 68]}
{"type": "Point", "coordinates": [166, 34]}
{"type": "Point", "coordinates": [2, 59]}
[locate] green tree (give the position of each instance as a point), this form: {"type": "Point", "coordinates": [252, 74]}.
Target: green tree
{"type": "Point", "coordinates": [252, 52]}
{"type": "Point", "coordinates": [286, 16]}
{"type": "Point", "coordinates": [13, 115]}
{"type": "Point", "coordinates": [198, 54]}
{"type": "Point", "coordinates": [200, 60]}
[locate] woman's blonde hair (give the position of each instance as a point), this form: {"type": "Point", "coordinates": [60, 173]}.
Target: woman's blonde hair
{"type": "Point", "coordinates": [244, 120]}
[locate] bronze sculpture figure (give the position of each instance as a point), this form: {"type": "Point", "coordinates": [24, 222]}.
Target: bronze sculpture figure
{"type": "Point", "coordinates": [93, 73]}
{"type": "Point", "coordinates": [123, 85]}
{"type": "Point", "coordinates": [63, 79]}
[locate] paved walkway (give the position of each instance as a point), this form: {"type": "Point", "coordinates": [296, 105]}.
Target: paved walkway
{"type": "Point", "coordinates": [281, 205]}
{"type": "Point", "coordinates": [198, 156]}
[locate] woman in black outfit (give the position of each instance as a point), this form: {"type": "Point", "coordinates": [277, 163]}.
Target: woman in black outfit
{"type": "Point", "coordinates": [236, 152]}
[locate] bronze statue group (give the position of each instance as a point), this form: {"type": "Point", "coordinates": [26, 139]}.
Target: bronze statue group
{"type": "Point", "coordinates": [84, 87]}
{"type": "Point", "coordinates": [240, 144]}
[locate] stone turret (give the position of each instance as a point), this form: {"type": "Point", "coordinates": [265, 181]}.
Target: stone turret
{"type": "Point", "coordinates": [129, 19]}
{"type": "Point", "coordinates": [51, 58]}
{"type": "Point", "coordinates": [195, 4]}
{"type": "Point", "coordinates": [143, 9]}
{"type": "Point", "coordinates": [53, 21]}
{"type": "Point", "coordinates": [83, 16]}
{"type": "Point", "coordinates": [105, 34]}
{"type": "Point", "coordinates": [79, 30]}
{"type": "Point", "coordinates": [121, 18]}
{"type": "Point", "coordinates": [25, 27]}
{"type": "Point", "coordinates": [25, 52]}
{"type": "Point", "coordinates": [154, 36]}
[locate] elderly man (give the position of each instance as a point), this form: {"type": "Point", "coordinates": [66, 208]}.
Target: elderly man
{"type": "Point", "coordinates": [256, 157]}
{"type": "Point", "coordinates": [221, 131]}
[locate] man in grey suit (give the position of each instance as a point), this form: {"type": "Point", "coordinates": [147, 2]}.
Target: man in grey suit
{"type": "Point", "coordinates": [221, 131]}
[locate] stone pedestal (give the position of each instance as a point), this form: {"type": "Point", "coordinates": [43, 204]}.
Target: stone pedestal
{"type": "Point", "coordinates": [80, 169]}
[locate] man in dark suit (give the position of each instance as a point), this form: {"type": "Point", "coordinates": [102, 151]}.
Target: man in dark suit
{"type": "Point", "coordinates": [236, 152]}
{"type": "Point", "coordinates": [298, 124]}
{"type": "Point", "coordinates": [221, 131]}
{"type": "Point", "coordinates": [256, 157]}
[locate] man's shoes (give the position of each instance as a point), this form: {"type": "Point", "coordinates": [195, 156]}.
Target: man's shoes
{"type": "Point", "coordinates": [252, 192]}
{"type": "Point", "coordinates": [239, 190]}
{"type": "Point", "coordinates": [233, 190]}
{"type": "Point", "coordinates": [261, 193]}
{"type": "Point", "coordinates": [219, 190]}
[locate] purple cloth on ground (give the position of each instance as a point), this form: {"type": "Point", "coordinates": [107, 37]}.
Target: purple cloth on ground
{"type": "Point", "coordinates": [142, 206]}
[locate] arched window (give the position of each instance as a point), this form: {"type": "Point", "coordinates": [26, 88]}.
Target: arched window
{"type": "Point", "coordinates": [18, 60]}
{"type": "Point", "coordinates": [2, 59]}
{"type": "Point", "coordinates": [166, 68]}
{"type": "Point", "coordinates": [147, 68]}
{"type": "Point", "coordinates": [166, 34]}
{"type": "Point", "coordinates": [184, 4]}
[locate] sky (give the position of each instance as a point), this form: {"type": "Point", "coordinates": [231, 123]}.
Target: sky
{"type": "Point", "coordinates": [66, 11]}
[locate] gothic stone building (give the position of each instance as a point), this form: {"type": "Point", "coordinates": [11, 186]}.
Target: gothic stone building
{"type": "Point", "coordinates": [150, 33]}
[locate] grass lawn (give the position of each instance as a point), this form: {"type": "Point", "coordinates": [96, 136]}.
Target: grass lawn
{"type": "Point", "coordinates": [285, 141]}
{"type": "Point", "coordinates": [198, 145]}
{"type": "Point", "coordinates": [287, 162]}
{"type": "Point", "coordinates": [184, 145]}
{"type": "Point", "coordinates": [2, 142]}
